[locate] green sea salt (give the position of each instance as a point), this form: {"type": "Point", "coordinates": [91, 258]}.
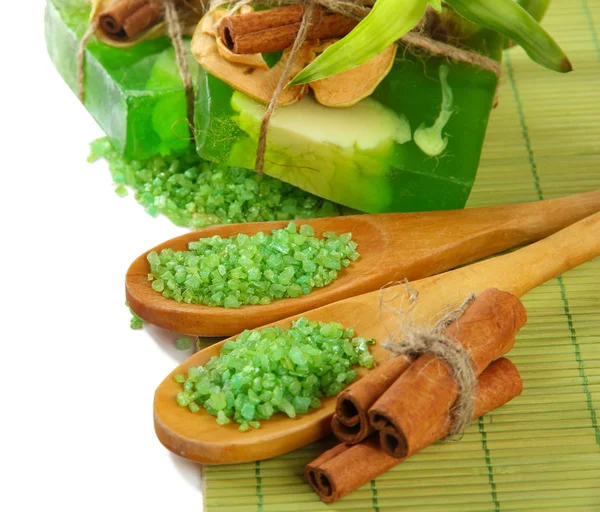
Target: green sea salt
{"type": "Point", "coordinates": [273, 370]}
{"type": "Point", "coordinates": [183, 344]}
{"type": "Point", "coordinates": [136, 322]}
{"type": "Point", "coordinates": [251, 270]}
{"type": "Point", "coordinates": [195, 193]}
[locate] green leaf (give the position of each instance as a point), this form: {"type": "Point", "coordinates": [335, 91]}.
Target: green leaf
{"type": "Point", "coordinates": [387, 22]}
{"type": "Point", "coordinates": [537, 8]}
{"type": "Point", "coordinates": [510, 19]}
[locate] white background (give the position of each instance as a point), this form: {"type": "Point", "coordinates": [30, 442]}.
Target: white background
{"type": "Point", "coordinates": [76, 383]}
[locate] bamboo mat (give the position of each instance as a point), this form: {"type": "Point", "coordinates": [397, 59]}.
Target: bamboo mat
{"type": "Point", "coordinates": [541, 452]}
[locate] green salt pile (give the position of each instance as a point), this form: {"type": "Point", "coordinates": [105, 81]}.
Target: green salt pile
{"type": "Point", "coordinates": [195, 193]}
{"type": "Point", "coordinates": [254, 269]}
{"type": "Point", "coordinates": [275, 370]}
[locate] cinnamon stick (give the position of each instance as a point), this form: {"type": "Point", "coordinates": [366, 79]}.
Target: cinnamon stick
{"type": "Point", "coordinates": [343, 469]}
{"type": "Point", "coordinates": [425, 392]}
{"type": "Point", "coordinates": [125, 20]}
{"type": "Point", "coordinates": [350, 424]}
{"type": "Point", "coordinates": [276, 29]}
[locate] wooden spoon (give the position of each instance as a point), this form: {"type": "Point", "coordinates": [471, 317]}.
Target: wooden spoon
{"type": "Point", "coordinates": [392, 246]}
{"type": "Point", "coordinates": [198, 437]}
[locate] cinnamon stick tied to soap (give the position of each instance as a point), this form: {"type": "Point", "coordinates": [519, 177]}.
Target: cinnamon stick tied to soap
{"type": "Point", "coordinates": [344, 468]}
{"type": "Point", "coordinates": [126, 19]}
{"type": "Point", "coordinates": [427, 390]}
{"type": "Point", "coordinates": [276, 29]}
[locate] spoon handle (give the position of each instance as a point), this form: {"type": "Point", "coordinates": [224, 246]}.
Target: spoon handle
{"type": "Point", "coordinates": [542, 218]}
{"type": "Point", "coordinates": [517, 272]}
{"type": "Point", "coordinates": [452, 238]}
{"type": "Point", "coordinates": [527, 268]}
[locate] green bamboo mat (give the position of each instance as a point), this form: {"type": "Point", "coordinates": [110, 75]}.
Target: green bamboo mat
{"type": "Point", "coordinates": [542, 451]}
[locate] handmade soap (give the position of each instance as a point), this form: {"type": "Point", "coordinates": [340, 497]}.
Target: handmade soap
{"type": "Point", "coordinates": [135, 94]}
{"type": "Point", "coordinates": [414, 144]}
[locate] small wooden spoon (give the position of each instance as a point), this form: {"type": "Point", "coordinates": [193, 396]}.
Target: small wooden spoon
{"type": "Point", "coordinates": [198, 437]}
{"type": "Point", "coordinates": [392, 246]}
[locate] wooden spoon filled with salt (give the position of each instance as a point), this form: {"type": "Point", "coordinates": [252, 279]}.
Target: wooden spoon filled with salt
{"type": "Point", "coordinates": [198, 437]}
{"type": "Point", "coordinates": [392, 247]}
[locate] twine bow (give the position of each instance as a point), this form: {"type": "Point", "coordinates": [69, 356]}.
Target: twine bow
{"type": "Point", "coordinates": [418, 341]}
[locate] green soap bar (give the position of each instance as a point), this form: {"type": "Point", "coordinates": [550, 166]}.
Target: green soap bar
{"type": "Point", "coordinates": [413, 145]}
{"type": "Point", "coordinates": [135, 94]}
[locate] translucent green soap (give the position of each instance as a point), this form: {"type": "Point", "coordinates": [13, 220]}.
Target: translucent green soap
{"type": "Point", "coordinates": [135, 94]}
{"type": "Point", "coordinates": [251, 270]}
{"type": "Point", "coordinates": [273, 370]}
{"type": "Point", "coordinates": [413, 145]}
{"type": "Point", "coordinates": [183, 344]}
{"type": "Point", "coordinates": [195, 193]}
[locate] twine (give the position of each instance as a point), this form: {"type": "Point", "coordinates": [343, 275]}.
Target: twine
{"type": "Point", "coordinates": [264, 125]}
{"type": "Point", "coordinates": [175, 32]}
{"type": "Point", "coordinates": [91, 30]}
{"type": "Point", "coordinates": [440, 49]}
{"type": "Point", "coordinates": [418, 341]}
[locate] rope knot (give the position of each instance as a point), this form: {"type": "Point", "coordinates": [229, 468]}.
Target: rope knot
{"type": "Point", "coordinates": [418, 341]}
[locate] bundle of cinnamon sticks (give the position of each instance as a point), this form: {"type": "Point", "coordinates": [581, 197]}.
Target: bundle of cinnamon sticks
{"type": "Point", "coordinates": [404, 406]}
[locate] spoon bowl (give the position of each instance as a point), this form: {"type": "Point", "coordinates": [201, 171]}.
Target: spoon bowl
{"type": "Point", "coordinates": [393, 246]}
{"type": "Point", "coordinates": [199, 437]}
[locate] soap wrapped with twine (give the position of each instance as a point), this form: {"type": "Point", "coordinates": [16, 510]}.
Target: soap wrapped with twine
{"type": "Point", "coordinates": [443, 376]}
{"type": "Point", "coordinates": [146, 13]}
{"type": "Point", "coordinates": [355, 10]}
